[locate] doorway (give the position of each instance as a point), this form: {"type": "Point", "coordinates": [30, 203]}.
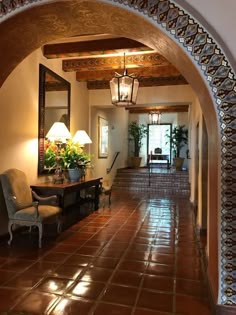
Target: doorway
{"type": "Point", "coordinates": [158, 140]}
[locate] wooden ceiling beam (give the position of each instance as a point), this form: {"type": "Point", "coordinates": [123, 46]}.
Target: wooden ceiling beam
{"type": "Point", "coordinates": [143, 82]}
{"type": "Point", "coordinates": [114, 63]}
{"type": "Point", "coordinates": [161, 71]}
{"type": "Point", "coordinates": [95, 66]}
{"type": "Point", "coordinates": [93, 47]}
{"type": "Point", "coordinates": [161, 108]}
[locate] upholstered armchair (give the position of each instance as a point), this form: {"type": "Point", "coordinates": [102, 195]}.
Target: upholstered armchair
{"type": "Point", "coordinates": [24, 206]}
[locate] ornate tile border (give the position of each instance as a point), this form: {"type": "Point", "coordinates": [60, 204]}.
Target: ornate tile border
{"type": "Point", "coordinates": [218, 74]}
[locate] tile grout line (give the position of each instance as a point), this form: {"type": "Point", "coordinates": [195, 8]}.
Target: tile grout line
{"type": "Point", "coordinates": [59, 297]}
{"type": "Point", "coordinates": [89, 265]}
{"type": "Point", "coordinates": [176, 220]}
{"type": "Point", "coordinates": [144, 272]}
{"type": "Point", "coordinates": [117, 266]}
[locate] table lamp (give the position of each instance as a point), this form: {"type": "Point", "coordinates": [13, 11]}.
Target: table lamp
{"type": "Point", "coordinates": [81, 137]}
{"type": "Point", "coordinates": [59, 134]}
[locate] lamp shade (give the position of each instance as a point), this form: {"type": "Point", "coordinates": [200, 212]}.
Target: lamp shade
{"type": "Point", "coordinates": [81, 137]}
{"type": "Point", "coordinates": [58, 132]}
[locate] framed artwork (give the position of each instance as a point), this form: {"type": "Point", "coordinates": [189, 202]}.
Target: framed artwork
{"type": "Point", "coordinates": [102, 137]}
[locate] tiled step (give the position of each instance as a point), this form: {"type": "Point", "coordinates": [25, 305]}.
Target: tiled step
{"type": "Point", "coordinates": [168, 182]}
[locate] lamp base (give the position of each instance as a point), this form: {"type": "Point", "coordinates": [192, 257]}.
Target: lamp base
{"type": "Point", "coordinates": [58, 178]}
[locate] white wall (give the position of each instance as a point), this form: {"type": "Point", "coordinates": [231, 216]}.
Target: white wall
{"type": "Point", "coordinates": [174, 94]}
{"type": "Point", "coordinates": [118, 142]}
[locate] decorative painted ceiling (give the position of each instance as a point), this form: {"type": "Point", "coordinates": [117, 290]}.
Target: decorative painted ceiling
{"type": "Point", "coordinates": [96, 61]}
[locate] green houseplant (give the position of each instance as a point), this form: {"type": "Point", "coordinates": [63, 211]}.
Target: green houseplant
{"type": "Point", "coordinates": [73, 156]}
{"type": "Point", "coordinates": [136, 134]}
{"type": "Point", "coordinates": [178, 138]}
{"type": "Point", "coordinates": [73, 160]}
{"type": "Point", "coordinates": [50, 154]}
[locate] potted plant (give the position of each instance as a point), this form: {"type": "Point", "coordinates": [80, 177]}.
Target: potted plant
{"type": "Point", "coordinates": [71, 157]}
{"type": "Point", "coordinates": [178, 139]}
{"type": "Point", "coordinates": [74, 160]}
{"type": "Point", "coordinates": [136, 134]}
{"type": "Point", "coordinates": [50, 154]}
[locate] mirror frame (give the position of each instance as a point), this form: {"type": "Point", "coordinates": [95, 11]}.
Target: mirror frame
{"type": "Point", "coordinates": [43, 70]}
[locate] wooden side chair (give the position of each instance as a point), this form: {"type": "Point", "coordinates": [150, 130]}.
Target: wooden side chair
{"type": "Point", "coordinates": [25, 207]}
{"type": "Point", "coordinates": [105, 192]}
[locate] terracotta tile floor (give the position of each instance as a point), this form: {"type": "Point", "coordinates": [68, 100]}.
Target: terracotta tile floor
{"type": "Point", "coordinates": [140, 257]}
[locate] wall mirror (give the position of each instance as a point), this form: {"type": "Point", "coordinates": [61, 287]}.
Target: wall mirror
{"type": "Point", "coordinates": [54, 105]}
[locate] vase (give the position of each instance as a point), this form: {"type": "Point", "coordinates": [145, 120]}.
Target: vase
{"type": "Point", "coordinates": [74, 174]}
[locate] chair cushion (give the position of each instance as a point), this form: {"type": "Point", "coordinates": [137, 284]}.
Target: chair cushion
{"type": "Point", "coordinates": [45, 212]}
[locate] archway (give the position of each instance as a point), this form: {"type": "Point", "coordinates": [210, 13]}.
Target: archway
{"type": "Point", "coordinates": [192, 51]}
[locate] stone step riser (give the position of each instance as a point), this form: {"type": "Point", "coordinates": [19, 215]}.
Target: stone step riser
{"type": "Point", "coordinates": [173, 183]}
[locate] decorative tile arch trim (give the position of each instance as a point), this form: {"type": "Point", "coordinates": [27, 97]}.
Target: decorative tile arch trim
{"type": "Point", "coordinates": [219, 76]}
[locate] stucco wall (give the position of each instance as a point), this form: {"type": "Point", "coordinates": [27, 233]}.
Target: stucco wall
{"type": "Point", "coordinates": [118, 142]}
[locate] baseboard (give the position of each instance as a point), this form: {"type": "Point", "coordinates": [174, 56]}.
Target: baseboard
{"type": "Point", "coordinates": [209, 290]}
{"type": "Point", "coordinates": [200, 232]}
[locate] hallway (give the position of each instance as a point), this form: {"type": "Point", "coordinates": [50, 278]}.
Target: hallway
{"type": "Point", "coordinates": [140, 257]}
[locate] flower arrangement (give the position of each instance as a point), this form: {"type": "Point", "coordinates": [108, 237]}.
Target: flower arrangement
{"type": "Point", "coordinates": [50, 154]}
{"type": "Point", "coordinates": [73, 156]}
{"type": "Point", "coordinates": [70, 155]}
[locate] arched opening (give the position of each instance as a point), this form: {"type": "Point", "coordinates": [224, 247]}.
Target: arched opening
{"type": "Point", "coordinates": [60, 19]}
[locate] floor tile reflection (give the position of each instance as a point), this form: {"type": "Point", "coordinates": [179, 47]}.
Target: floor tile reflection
{"type": "Point", "coordinates": [139, 257]}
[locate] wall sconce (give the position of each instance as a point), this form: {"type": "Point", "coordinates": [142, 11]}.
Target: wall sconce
{"type": "Point", "coordinates": [59, 134]}
{"type": "Point", "coordinates": [154, 118]}
{"type": "Point", "coordinates": [124, 89]}
{"type": "Point", "coordinates": [81, 137]}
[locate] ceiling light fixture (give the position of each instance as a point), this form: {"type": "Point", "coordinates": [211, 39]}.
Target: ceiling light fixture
{"type": "Point", "coordinates": [124, 89]}
{"type": "Point", "coordinates": [154, 117]}
{"type": "Point", "coordinates": [58, 134]}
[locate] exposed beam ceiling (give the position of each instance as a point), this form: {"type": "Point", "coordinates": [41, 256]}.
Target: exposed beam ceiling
{"type": "Point", "coordinates": [97, 60]}
{"type": "Point", "coordinates": [100, 74]}
{"type": "Point", "coordinates": [117, 62]}
{"type": "Point", "coordinates": [93, 47]}
{"type": "Point", "coordinates": [143, 82]}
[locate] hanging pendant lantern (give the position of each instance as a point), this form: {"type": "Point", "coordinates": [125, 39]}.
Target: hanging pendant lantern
{"type": "Point", "coordinates": [124, 89]}
{"type": "Point", "coordinates": [155, 117]}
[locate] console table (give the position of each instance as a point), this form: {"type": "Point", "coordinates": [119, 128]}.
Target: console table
{"type": "Point", "coordinates": [63, 190]}
{"type": "Point", "coordinates": [154, 158]}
